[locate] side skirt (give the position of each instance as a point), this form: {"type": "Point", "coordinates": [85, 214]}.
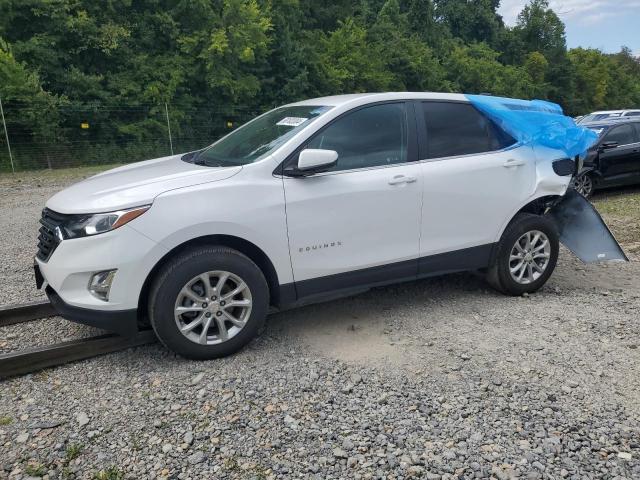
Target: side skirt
{"type": "Point", "coordinates": [322, 289]}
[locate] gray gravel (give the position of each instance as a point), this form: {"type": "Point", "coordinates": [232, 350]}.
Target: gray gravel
{"type": "Point", "coordinates": [440, 378]}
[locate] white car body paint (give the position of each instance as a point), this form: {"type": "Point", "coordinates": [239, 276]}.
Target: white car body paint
{"type": "Point", "coordinates": [133, 185]}
{"type": "Point", "coordinates": [470, 210]}
{"type": "Point", "coordinates": [353, 219]}
{"type": "Point", "coordinates": [312, 227]}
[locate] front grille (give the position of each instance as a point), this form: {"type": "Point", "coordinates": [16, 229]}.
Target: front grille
{"type": "Point", "coordinates": [47, 239]}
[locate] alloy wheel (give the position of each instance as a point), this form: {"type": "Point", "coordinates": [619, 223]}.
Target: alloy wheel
{"type": "Point", "coordinates": [529, 257]}
{"type": "Point", "coordinates": [583, 184]}
{"type": "Point", "coordinates": [213, 307]}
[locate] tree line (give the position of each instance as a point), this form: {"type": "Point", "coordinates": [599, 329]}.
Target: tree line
{"type": "Point", "coordinates": [215, 62]}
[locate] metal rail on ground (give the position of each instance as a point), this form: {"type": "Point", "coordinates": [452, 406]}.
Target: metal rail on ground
{"type": "Point", "coordinates": [26, 312]}
{"type": "Point", "coordinates": [34, 359]}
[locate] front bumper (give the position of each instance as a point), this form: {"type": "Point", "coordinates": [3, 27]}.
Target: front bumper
{"type": "Point", "coordinates": [67, 272]}
{"type": "Point", "coordinates": [122, 322]}
{"type": "Point", "coordinates": [69, 269]}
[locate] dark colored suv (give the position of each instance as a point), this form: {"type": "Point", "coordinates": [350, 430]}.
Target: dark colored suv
{"type": "Point", "coordinates": [614, 160]}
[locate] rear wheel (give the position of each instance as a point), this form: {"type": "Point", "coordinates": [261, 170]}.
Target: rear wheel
{"type": "Point", "coordinates": [208, 302]}
{"type": "Point", "coordinates": [526, 255]}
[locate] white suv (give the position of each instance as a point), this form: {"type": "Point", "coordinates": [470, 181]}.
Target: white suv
{"type": "Point", "coordinates": [317, 198]}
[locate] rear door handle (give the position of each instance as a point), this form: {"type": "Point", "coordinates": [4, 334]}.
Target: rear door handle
{"type": "Point", "coordinates": [513, 162]}
{"type": "Point", "coordinates": [399, 179]}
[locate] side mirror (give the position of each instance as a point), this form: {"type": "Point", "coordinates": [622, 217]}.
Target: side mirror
{"type": "Point", "coordinates": [608, 145]}
{"type": "Point", "coordinates": [312, 161]}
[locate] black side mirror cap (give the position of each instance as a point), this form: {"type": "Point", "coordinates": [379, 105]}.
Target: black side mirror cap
{"type": "Point", "coordinates": [295, 172]}
{"type": "Point", "coordinates": [564, 167]}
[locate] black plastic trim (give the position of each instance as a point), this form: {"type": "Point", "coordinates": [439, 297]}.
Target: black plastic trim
{"type": "Point", "coordinates": [122, 322]}
{"type": "Point", "coordinates": [374, 276]}
{"type": "Point", "coordinates": [287, 295]}
{"type": "Point", "coordinates": [462, 260]}
{"type": "Point", "coordinates": [564, 167]}
{"type": "Point", "coordinates": [471, 258]}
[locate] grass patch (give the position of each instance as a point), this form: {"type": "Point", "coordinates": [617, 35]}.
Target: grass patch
{"type": "Point", "coordinates": [35, 470]}
{"type": "Point", "coordinates": [111, 473]}
{"type": "Point", "coordinates": [620, 208]}
{"type": "Point", "coordinates": [73, 451]}
{"type": "Point", "coordinates": [619, 202]}
{"type": "Point", "coordinates": [6, 420]}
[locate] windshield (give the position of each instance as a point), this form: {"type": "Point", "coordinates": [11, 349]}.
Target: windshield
{"type": "Point", "coordinates": [258, 138]}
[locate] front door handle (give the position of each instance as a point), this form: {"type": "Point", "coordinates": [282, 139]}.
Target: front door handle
{"type": "Point", "coordinates": [513, 162]}
{"type": "Point", "coordinates": [399, 179]}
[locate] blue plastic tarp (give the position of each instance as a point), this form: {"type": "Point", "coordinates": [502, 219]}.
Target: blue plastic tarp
{"type": "Point", "coordinates": [536, 122]}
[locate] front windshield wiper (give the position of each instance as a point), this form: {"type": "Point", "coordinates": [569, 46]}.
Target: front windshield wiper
{"type": "Point", "coordinates": [211, 161]}
{"type": "Point", "coordinates": [198, 159]}
{"type": "Point", "coordinates": [192, 157]}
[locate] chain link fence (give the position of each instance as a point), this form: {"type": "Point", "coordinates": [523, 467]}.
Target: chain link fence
{"type": "Point", "coordinates": [70, 135]}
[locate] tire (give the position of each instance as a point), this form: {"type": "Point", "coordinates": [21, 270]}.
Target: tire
{"type": "Point", "coordinates": [584, 184]}
{"type": "Point", "coordinates": [523, 226]}
{"type": "Point", "coordinates": [178, 298]}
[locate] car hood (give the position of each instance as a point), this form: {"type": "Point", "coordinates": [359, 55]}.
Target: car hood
{"type": "Point", "coordinates": [134, 184]}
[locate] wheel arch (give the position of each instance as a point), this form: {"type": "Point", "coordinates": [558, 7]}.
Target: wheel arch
{"type": "Point", "coordinates": [536, 206]}
{"type": "Point", "coordinates": [255, 253]}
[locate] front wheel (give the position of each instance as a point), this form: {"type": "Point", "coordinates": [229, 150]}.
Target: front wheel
{"type": "Point", "coordinates": [526, 255]}
{"type": "Point", "coordinates": [583, 184]}
{"type": "Point", "coordinates": [208, 302]}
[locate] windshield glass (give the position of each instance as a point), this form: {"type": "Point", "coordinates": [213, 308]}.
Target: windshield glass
{"type": "Point", "coordinates": [258, 138]}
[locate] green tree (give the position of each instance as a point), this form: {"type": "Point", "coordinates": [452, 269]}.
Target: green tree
{"type": "Point", "coordinates": [114, 64]}
{"type": "Point", "coordinates": [476, 69]}
{"type": "Point", "coordinates": [21, 89]}
{"type": "Point", "coordinates": [410, 61]}
{"type": "Point", "coordinates": [539, 29]}
{"type": "Point", "coordinates": [349, 62]}
{"type": "Point", "coordinates": [475, 21]}
{"type": "Point", "coordinates": [604, 81]}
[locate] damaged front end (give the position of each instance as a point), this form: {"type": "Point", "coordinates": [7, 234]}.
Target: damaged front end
{"type": "Point", "coordinates": [583, 231]}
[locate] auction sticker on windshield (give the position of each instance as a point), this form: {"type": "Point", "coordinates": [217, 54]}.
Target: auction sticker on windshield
{"type": "Point", "coordinates": [292, 121]}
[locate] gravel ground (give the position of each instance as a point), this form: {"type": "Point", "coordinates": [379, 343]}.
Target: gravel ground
{"type": "Point", "coordinates": [440, 378]}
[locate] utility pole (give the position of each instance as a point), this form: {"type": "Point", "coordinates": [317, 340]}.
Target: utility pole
{"type": "Point", "coordinates": [6, 134]}
{"type": "Point", "coordinates": [166, 111]}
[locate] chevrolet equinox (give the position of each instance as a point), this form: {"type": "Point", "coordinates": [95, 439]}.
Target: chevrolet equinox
{"type": "Point", "coordinates": [314, 199]}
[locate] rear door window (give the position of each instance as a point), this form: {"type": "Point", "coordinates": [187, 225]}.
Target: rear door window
{"type": "Point", "coordinates": [459, 129]}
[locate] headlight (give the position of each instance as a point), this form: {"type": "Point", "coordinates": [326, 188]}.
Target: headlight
{"type": "Point", "coordinates": [77, 226]}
